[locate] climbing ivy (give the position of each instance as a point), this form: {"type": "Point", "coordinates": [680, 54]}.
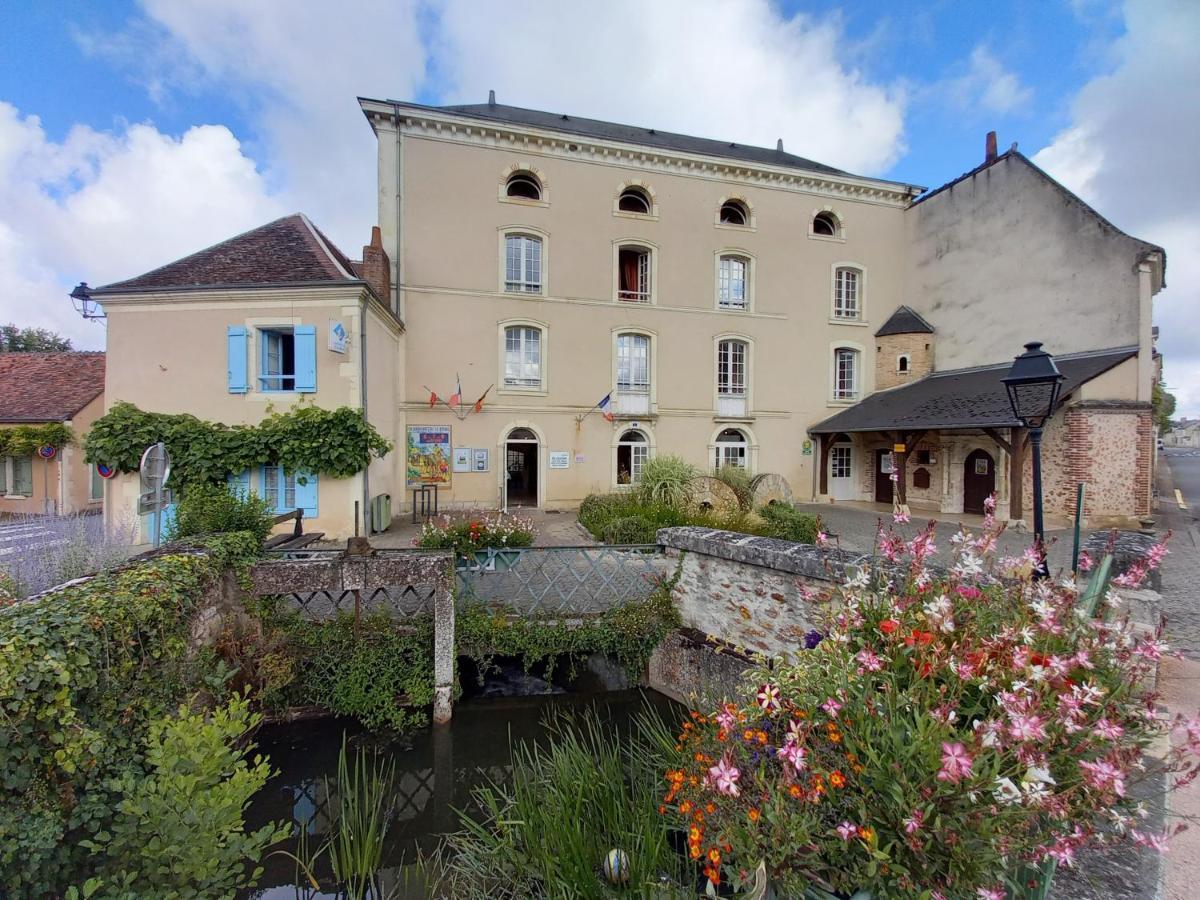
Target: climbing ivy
{"type": "Point", "coordinates": [335, 442]}
{"type": "Point", "coordinates": [630, 632]}
{"type": "Point", "coordinates": [23, 440]}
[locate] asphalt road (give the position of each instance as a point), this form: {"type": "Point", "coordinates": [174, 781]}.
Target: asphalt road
{"type": "Point", "coordinates": [1185, 470]}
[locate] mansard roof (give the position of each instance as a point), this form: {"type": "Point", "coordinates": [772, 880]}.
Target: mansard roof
{"type": "Point", "coordinates": [961, 398]}
{"type": "Point", "coordinates": [49, 387]}
{"type": "Point", "coordinates": [289, 251]}
{"type": "Point", "coordinates": [905, 320]}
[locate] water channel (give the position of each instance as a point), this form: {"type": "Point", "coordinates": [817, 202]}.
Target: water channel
{"type": "Point", "coordinates": [436, 769]}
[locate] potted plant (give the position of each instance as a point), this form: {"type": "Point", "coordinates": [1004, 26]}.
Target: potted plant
{"type": "Point", "coordinates": [955, 733]}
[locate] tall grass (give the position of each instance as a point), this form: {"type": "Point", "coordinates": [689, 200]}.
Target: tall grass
{"type": "Point", "coordinates": [40, 552]}
{"type": "Point", "coordinates": [356, 842]}
{"type": "Point", "coordinates": [667, 480]}
{"type": "Point", "coordinates": [570, 801]}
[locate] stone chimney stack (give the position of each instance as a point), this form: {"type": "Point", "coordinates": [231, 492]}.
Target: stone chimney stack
{"type": "Point", "coordinates": [376, 267]}
{"type": "Point", "coordinates": [990, 149]}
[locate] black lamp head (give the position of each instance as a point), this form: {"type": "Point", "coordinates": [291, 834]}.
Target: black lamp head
{"type": "Point", "coordinates": [1033, 384]}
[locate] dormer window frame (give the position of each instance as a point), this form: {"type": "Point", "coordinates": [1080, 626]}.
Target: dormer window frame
{"type": "Point", "coordinates": [830, 214]}
{"type": "Point", "coordinates": [523, 170]}
{"type": "Point", "coordinates": [647, 192]}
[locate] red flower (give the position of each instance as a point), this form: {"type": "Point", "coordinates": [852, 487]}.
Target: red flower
{"type": "Point", "coordinates": [889, 626]}
{"type": "Point", "coordinates": [924, 638]}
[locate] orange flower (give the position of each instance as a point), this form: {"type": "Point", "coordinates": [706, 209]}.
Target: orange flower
{"type": "Point", "coordinates": [694, 851]}
{"type": "Point", "coordinates": [888, 626]}
{"type": "Point", "coordinates": [710, 808]}
{"type": "Point", "coordinates": [694, 835]}
{"type": "Point", "coordinates": [837, 779]}
{"type": "Point", "coordinates": [714, 856]}
{"type": "Point", "coordinates": [795, 791]}
{"type": "Point", "coordinates": [662, 810]}
{"type": "Point", "coordinates": [748, 734]}
{"type": "Point", "coordinates": [685, 807]}
{"type": "Point", "coordinates": [866, 833]}
{"type": "Point", "coordinates": [835, 736]}
{"type": "Point", "coordinates": [753, 814]}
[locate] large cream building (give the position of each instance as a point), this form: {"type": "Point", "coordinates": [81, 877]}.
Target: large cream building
{"type": "Point", "coordinates": [735, 305]}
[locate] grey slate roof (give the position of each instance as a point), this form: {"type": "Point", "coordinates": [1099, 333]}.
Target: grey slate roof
{"type": "Point", "coordinates": [290, 250]}
{"type": "Point", "coordinates": [632, 134]}
{"type": "Point", "coordinates": [960, 398]}
{"type": "Point", "coordinates": [904, 320]}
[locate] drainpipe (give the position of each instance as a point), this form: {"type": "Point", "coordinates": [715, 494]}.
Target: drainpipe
{"type": "Point", "coordinates": [362, 378]}
{"type": "Point", "coordinates": [399, 174]}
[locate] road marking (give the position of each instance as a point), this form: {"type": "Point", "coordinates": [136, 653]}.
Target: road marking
{"type": "Point", "coordinates": [1179, 499]}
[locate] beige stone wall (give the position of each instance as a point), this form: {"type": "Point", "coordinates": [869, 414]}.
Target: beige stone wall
{"type": "Point", "coordinates": [77, 473]}
{"type": "Point", "coordinates": [888, 350]}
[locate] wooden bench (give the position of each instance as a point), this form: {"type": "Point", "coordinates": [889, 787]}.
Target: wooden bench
{"type": "Point", "coordinates": [297, 539]}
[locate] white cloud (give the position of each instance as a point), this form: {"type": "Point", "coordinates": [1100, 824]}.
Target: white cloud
{"type": "Point", "coordinates": [986, 86]}
{"type": "Point", "coordinates": [101, 207]}
{"type": "Point", "coordinates": [737, 69]}
{"type": "Point", "coordinates": [1130, 150]}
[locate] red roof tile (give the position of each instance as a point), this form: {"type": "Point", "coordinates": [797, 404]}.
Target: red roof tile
{"type": "Point", "coordinates": [290, 250]}
{"type": "Point", "coordinates": [48, 387]}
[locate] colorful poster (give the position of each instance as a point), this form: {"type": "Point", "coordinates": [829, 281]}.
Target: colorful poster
{"type": "Point", "coordinates": [428, 454]}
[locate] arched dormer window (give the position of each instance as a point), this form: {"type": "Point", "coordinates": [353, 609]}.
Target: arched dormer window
{"type": "Point", "coordinates": [523, 185]}
{"type": "Point", "coordinates": [825, 224]}
{"type": "Point", "coordinates": [634, 200]}
{"type": "Point", "coordinates": [734, 212]}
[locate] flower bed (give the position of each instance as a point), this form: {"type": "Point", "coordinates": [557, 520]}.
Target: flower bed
{"type": "Point", "coordinates": [949, 734]}
{"type": "Point", "coordinates": [468, 535]}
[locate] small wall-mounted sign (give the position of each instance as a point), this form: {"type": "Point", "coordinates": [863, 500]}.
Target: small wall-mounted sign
{"type": "Point", "coordinates": [482, 463]}
{"type": "Point", "coordinates": [560, 459]}
{"type": "Point", "coordinates": [462, 459]}
{"type": "Point", "coordinates": [106, 471]}
{"type": "Point", "coordinates": [898, 448]}
{"type": "Point", "coordinates": [806, 448]}
{"type": "Point", "coordinates": [579, 457]}
{"type": "Point", "coordinates": [339, 338]}
{"type": "Point", "coordinates": [47, 451]}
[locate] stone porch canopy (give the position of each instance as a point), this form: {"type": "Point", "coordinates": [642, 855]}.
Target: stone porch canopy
{"type": "Point", "coordinates": [970, 400]}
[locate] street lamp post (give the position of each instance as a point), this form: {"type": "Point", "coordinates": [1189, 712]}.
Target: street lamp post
{"type": "Point", "coordinates": [1033, 384]}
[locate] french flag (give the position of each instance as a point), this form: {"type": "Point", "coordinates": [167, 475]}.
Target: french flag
{"type": "Point", "coordinates": [605, 406]}
{"type": "Point", "coordinates": [456, 400]}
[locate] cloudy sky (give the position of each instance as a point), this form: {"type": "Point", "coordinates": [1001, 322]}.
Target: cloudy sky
{"type": "Point", "coordinates": [134, 133]}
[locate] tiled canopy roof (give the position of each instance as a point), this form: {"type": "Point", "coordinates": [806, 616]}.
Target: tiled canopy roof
{"type": "Point", "coordinates": [960, 398]}
{"type": "Point", "coordinates": [48, 387]}
{"type": "Point", "coordinates": [290, 250]}
{"type": "Point", "coordinates": [904, 321]}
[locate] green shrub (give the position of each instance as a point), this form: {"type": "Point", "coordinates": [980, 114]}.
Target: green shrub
{"type": "Point", "coordinates": [741, 482]}
{"type": "Point", "coordinates": [666, 479]}
{"type": "Point", "coordinates": [177, 829]}
{"type": "Point", "coordinates": [788, 524]}
{"type": "Point", "coordinates": [85, 672]}
{"type": "Point", "coordinates": [630, 530]}
{"type": "Point", "coordinates": [213, 509]}
{"type": "Point", "coordinates": [597, 510]}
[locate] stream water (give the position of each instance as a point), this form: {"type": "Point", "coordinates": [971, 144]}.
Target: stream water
{"type": "Point", "coordinates": [436, 769]}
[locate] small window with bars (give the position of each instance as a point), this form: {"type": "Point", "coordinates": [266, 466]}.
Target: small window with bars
{"type": "Point", "coordinates": [523, 264]}
{"type": "Point", "coordinates": [847, 294]}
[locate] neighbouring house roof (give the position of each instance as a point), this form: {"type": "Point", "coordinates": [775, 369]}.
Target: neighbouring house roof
{"type": "Point", "coordinates": [290, 250]}
{"type": "Point", "coordinates": [49, 387]}
{"type": "Point", "coordinates": [904, 320]}
{"type": "Point", "coordinates": [960, 398]}
{"type": "Point", "coordinates": [632, 134]}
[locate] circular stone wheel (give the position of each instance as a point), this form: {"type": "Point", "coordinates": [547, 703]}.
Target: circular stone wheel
{"type": "Point", "coordinates": [771, 488]}
{"type": "Point", "coordinates": [714, 495]}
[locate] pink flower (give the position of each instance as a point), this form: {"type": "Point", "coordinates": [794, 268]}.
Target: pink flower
{"type": "Point", "coordinates": [792, 752]}
{"type": "Point", "coordinates": [869, 660]}
{"type": "Point", "coordinates": [1109, 730]}
{"type": "Point", "coordinates": [822, 539]}
{"type": "Point", "coordinates": [992, 893]}
{"type": "Point", "coordinates": [1103, 776]}
{"type": "Point", "coordinates": [724, 778]}
{"type": "Point", "coordinates": [795, 730]}
{"type": "Point", "coordinates": [768, 697]}
{"type": "Point", "coordinates": [831, 707]}
{"type": "Point", "coordinates": [1085, 561]}
{"type": "Point", "coordinates": [900, 517]}
{"type": "Point", "coordinates": [725, 718]}
{"type": "Point", "coordinates": [956, 763]}
{"type": "Point", "coordinates": [1156, 842]}
{"type": "Point", "coordinates": [915, 822]}
{"type": "Point", "coordinates": [1026, 728]}
{"type": "Point", "coordinates": [847, 830]}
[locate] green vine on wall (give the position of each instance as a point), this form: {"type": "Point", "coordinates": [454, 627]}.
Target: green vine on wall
{"type": "Point", "coordinates": [334, 442]}
{"type": "Point", "coordinates": [24, 440]}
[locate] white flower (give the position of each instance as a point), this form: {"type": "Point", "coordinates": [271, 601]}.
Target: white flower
{"type": "Point", "coordinates": [1006, 791]}
{"type": "Point", "coordinates": [1039, 775]}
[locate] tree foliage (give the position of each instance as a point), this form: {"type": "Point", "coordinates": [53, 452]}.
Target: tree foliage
{"type": "Point", "coordinates": [24, 440]}
{"type": "Point", "coordinates": [1163, 402]}
{"type": "Point", "coordinates": [14, 339]}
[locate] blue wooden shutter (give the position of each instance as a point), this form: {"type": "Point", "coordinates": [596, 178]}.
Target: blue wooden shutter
{"type": "Point", "coordinates": [239, 483]}
{"type": "Point", "coordinates": [306, 358]}
{"type": "Point", "coordinates": [239, 381]}
{"type": "Point", "coordinates": [306, 493]}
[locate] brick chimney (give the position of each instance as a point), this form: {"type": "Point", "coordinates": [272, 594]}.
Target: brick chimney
{"type": "Point", "coordinates": [990, 148]}
{"type": "Point", "coordinates": [376, 267]}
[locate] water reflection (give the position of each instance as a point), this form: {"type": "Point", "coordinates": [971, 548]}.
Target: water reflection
{"type": "Point", "coordinates": [435, 772]}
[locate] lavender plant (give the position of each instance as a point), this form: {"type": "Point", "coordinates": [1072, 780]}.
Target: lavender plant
{"type": "Point", "coordinates": [44, 551]}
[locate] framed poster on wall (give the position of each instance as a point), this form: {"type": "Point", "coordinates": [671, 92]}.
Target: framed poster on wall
{"type": "Point", "coordinates": [428, 454]}
{"type": "Point", "coordinates": [462, 459]}
{"type": "Point", "coordinates": [560, 459]}
{"type": "Point", "coordinates": [482, 463]}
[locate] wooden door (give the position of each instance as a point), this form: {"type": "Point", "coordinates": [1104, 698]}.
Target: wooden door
{"type": "Point", "coordinates": [883, 476]}
{"type": "Point", "coordinates": [979, 480]}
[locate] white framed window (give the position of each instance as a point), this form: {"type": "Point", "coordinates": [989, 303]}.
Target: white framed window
{"type": "Point", "coordinates": [95, 486]}
{"type": "Point", "coordinates": [845, 373]}
{"type": "Point", "coordinates": [523, 185]}
{"type": "Point", "coordinates": [733, 282]}
{"type": "Point", "coordinates": [732, 449]}
{"type": "Point", "coordinates": [277, 359]}
{"type": "Point", "coordinates": [16, 476]}
{"type": "Point", "coordinates": [633, 363]}
{"type": "Point", "coordinates": [634, 200]}
{"type": "Point", "coordinates": [522, 264]}
{"type": "Point", "coordinates": [825, 224]}
{"type": "Point", "coordinates": [522, 356]}
{"type": "Point", "coordinates": [847, 293]}
{"type": "Point", "coordinates": [840, 461]}
{"type": "Point", "coordinates": [632, 451]}
{"type": "Point", "coordinates": [731, 368]}
{"type": "Point", "coordinates": [279, 488]}
{"type": "Point", "coordinates": [733, 212]}
{"type": "Point", "coordinates": [634, 273]}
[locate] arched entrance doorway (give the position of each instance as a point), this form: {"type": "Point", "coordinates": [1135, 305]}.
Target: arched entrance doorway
{"type": "Point", "coordinates": [979, 480]}
{"type": "Point", "coordinates": [633, 449]}
{"type": "Point", "coordinates": [732, 449]}
{"type": "Point", "coordinates": [521, 468]}
{"type": "Point", "coordinates": [841, 468]}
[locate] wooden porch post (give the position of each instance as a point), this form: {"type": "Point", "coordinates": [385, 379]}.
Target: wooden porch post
{"type": "Point", "coordinates": [823, 456]}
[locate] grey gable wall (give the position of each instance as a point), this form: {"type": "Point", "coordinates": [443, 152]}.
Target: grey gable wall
{"type": "Point", "coordinates": [1005, 248]}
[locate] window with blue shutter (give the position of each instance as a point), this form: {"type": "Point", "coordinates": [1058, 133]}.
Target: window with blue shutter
{"type": "Point", "coordinates": [306, 358]}
{"type": "Point", "coordinates": [239, 376]}
{"type": "Point", "coordinates": [239, 484]}
{"type": "Point", "coordinates": [285, 492]}
{"type": "Point", "coordinates": [306, 494]}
